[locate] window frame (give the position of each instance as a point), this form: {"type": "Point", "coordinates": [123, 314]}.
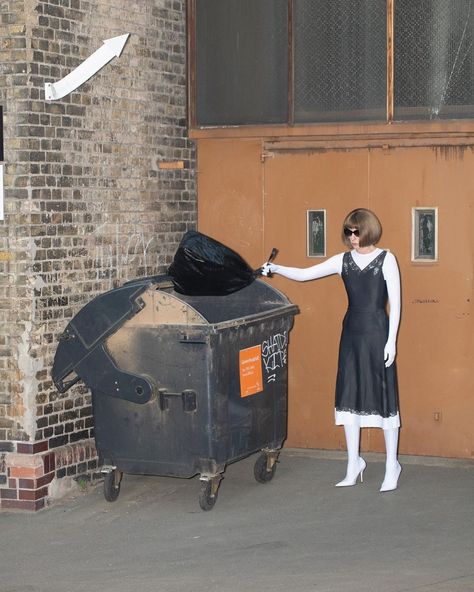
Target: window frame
{"type": "Point", "coordinates": [192, 68]}
{"type": "Point", "coordinates": [290, 124]}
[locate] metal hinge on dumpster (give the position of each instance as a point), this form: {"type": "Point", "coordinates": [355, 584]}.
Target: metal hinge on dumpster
{"type": "Point", "coordinates": [188, 398]}
{"type": "Point", "coordinates": [82, 352]}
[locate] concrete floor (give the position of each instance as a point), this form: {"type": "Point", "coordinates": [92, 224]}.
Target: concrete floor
{"type": "Point", "coordinates": [295, 534]}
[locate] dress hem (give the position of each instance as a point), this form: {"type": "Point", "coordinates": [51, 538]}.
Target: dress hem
{"type": "Point", "coordinates": [367, 421]}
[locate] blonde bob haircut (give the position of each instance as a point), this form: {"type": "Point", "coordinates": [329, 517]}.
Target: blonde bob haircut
{"type": "Point", "coordinates": [368, 225]}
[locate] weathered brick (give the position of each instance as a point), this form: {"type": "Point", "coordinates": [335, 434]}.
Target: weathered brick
{"type": "Point", "coordinates": [23, 504]}
{"type": "Point", "coordinates": [87, 206]}
{"type": "Point", "coordinates": [36, 494]}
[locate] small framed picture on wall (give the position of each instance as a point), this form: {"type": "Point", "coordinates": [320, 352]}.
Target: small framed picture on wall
{"type": "Point", "coordinates": [424, 239]}
{"type": "Point", "coordinates": [316, 233]}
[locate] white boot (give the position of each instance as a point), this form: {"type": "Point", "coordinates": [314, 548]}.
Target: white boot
{"type": "Point", "coordinates": [355, 464]}
{"type": "Point", "coordinates": [392, 466]}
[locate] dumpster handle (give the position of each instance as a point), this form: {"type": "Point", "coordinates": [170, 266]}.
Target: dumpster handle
{"type": "Point", "coordinates": [188, 398]}
{"type": "Point", "coordinates": [63, 385]}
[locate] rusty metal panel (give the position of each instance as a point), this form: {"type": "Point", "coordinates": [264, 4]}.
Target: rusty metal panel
{"type": "Point", "coordinates": [230, 176]}
{"type": "Point", "coordinates": [335, 181]}
{"type": "Point", "coordinates": [436, 346]}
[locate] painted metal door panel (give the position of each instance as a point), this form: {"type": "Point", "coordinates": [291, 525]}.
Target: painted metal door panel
{"type": "Point", "coordinates": [295, 182]}
{"type": "Point", "coordinates": [436, 345]}
{"type": "Point", "coordinates": [436, 335]}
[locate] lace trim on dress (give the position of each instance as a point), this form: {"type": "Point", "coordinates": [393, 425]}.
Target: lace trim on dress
{"type": "Point", "coordinates": [356, 412]}
{"type": "Point", "coordinates": [375, 265]}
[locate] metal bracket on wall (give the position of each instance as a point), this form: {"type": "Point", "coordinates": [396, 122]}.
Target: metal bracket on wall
{"type": "Point", "coordinates": [266, 155]}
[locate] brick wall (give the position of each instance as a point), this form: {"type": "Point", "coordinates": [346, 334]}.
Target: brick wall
{"type": "Point", "coordinates": [90, 203]}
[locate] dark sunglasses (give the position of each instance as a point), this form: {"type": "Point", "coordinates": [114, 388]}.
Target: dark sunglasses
{"type": "Point", "coordinates": [348, 232]}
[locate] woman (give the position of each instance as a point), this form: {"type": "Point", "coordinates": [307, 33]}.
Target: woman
{"type": "Point", "coordinates": [366, 386]}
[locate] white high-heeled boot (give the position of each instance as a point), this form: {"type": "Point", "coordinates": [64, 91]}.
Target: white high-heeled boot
{"type": "Point", "coordinates": [392, 466]}
{"type": "Point", "coordinates": [355, 464]}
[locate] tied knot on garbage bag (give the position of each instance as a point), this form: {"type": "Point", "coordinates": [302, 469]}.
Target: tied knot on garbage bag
{"type": "Point", "coordinates": [202, 266]}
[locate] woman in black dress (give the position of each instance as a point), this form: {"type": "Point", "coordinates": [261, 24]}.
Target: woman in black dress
{"type": "Point", "coordinates": [366, 386]}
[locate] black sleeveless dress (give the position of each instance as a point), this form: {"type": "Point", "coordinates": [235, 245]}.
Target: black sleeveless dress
{"type": "Point", "coordinates": [365, 387]}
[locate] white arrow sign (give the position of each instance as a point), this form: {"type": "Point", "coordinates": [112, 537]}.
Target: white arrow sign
{"type": "Point", "coordinates": [112, 48]}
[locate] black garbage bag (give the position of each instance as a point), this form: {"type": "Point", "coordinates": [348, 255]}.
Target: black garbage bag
{"type": "Point", "coordinates": [203, 266]}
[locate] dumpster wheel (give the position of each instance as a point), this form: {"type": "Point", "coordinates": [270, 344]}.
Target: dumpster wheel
{"type": "Point", "coordinates": [112, 481]}
{"type": "Point", "coordinates": [208, 493]}
{"type": "Point", "coordinates": [265, 467]}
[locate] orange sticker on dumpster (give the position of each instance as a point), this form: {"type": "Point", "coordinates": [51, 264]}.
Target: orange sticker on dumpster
{"type": "Point", "coordinates": [251, 381]}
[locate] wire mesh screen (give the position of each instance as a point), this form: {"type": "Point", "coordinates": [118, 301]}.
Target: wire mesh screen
{"type": "Point", "coordinates": [434, 59]}
{"type": "Point", "coordinates": [340, 60]}
{"type": "Point", "coordinates": [241, 62]}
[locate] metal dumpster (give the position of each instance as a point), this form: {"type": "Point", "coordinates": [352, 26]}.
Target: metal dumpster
{"type": "Point", "coordinates": [181, 385]}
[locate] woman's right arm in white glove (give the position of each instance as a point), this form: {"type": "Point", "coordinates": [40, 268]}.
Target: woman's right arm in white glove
{"type": "Point", "coordinates": [329, 267]}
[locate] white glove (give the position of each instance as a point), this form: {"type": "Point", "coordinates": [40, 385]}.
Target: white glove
{"type": "Point", "coordinates": [389, 353]}
{"type": "Point", "coordinates": [269, 268]}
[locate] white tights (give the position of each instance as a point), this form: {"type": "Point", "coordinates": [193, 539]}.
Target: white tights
{"type": "Point", "coordinates": [353, 459]}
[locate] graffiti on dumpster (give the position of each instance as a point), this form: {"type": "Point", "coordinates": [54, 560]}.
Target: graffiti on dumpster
{"type": "Point", "coordinates": [270, 355]}
{"type": "Point", "coordinates": [274, 354]}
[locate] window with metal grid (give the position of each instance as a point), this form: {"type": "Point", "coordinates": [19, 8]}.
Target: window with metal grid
{"type": "Point", "coordinates": [241, 62]}
{"type": "Point", "coordinates": [340, 60]}
{"type": "Point", "coordinates": [434, 59]}
{"type": "Point", "coordinates": [334, 64]}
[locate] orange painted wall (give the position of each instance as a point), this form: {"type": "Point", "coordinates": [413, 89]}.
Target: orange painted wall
{"type": "Point", "coordinates": [253, 203]}
{"type": "Point", "coordinates": [230, 178]}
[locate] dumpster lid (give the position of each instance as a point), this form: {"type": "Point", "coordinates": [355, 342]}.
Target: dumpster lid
{"type": "Point", "coordinates": [257, 298]}
{"type": "Point", "coordinates": [82, 351]}
{"type": "Point", "coordinates": [84, 336]}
